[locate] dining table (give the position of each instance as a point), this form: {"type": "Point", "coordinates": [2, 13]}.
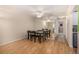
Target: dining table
{"type": "Point", "coordinates": [41, 35]}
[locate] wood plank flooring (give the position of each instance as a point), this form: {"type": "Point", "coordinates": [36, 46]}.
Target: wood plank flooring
{"type": "Point", "coordinates": [29, 47]}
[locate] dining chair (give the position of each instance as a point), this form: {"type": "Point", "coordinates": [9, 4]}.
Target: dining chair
{"type": "Point", "coordinates": [40, 34]}
{"type": "Point", "coordinates": [31, 35]}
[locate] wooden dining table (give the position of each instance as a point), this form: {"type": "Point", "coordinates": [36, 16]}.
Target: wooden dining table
{"type": "Point", "coordinates": [41, 35]}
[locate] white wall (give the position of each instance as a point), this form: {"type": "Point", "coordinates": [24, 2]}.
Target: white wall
{"type": "Point", "coordinates": [21, 24]}
{"type": "Point", "coordinates": [69, 30]}
{"type": "Point", "coordinates": [5, 27]}
{"type": "Point", "coordinates": [13, 24]}
{"type": "Point", "coordinates": [39, 24]}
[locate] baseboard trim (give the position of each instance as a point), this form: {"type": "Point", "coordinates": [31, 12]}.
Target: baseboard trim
{"type": "Point", "coordinates": [71, 46]}
{"type": "Point", "coordinates": [9, 42]}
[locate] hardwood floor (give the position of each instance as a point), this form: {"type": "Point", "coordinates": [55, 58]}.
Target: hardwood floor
{"type": "Point", "coordinates": [29, 47]}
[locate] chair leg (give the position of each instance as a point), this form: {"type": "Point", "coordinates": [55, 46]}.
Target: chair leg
{"type": "Point", "coordinates": [39, 39]}
{"type": "Point", "coordinates": [44, 39]}
{"type": "Point", "coordinates": [31, 38]}
{"type": "Point", "coordinates": [34, 39]}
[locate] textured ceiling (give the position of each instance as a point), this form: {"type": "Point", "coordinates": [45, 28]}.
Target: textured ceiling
{"type": "Point", "coordinates": [47, 10]}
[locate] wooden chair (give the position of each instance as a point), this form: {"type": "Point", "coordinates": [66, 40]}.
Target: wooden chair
{"type": "Point", "coordinates": [31, 35]}
{"type": "Point", "coordinates": [40, 36]}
